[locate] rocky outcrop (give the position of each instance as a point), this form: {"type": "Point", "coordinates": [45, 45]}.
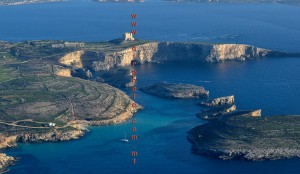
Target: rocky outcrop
{"type": "Point", "coordinates": [254, 113]}
{"type": "Point", "coordinates": [7, 141]}
{"type": "Point", "coordinates": [228, 100]}
{"type": "Point", "coordinates": [244, 113]}
{"type": "Point", "coordinates": [44, 136]}
{"type": "Point", "coordinates": [216, 112]}
{"type": "Point", "coordinates": [5, 161]}
{"type": "Point", "coordinates": [223, 107]}
{"type": "Point", "coordinates": [52, 136]}
{"type": "Point", "coordinates": [177, 91]}
{"type": "Point", "coordinates": [223, 52]}
{"type": "Point", "coordinates": [248, 138]}
{"type": "Point", "coordinates": [72, 59]}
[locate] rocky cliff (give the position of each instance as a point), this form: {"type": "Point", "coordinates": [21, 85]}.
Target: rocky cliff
{"type": "Point", "coordinates": [5, 161]}
{"type": "Point", "coordinates": [168, 51]}
{"type": "Point", "coordinates": [165, 52]}
{"type": "Point", "coordinates": [7, 141]}
{"type": "Point", "coordinates": [55, 135]}
{"type": "Point", "coordinates": [72, 59]}
{"type": "Point", "coordinates": [144, 53]}
{"type": "Point", "coordinates": [228, 100]}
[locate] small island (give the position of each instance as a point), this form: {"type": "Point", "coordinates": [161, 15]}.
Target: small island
{"type": "Point", "coordinates": [248, 138]}
{"type": "Point", "coordinates": [176, 91]}
{"type": "Point", "coordinates": [246, 135]}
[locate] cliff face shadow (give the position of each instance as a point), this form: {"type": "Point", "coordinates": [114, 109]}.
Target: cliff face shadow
{"type": "Point", "coordinates": [181, 52]}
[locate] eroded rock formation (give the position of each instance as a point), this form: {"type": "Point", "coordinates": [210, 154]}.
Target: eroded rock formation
{"type": "Point", "coordinates": [228, 100]}
{"type": "Point", "coordinates": [5, 161]}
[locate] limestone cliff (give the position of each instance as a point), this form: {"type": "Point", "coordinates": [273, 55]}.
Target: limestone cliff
{"type": "Point", "coordinates": [164, 52]}
{"type": "Point", "coordinates": [72, 59]}
{"type": "Point", "coordinates": [5, 161]}
{"type": "Point", "coordinates": [197, 52]}
{"type": "Point", "coordinates": [144, 53]}
{"type": "Point", "coordinates": [228, 100]}
{"type": "Point", "coordinates": [54, 135]}
{"type": "Point", "coordinates": [7, 141]}
{"type": "Point", "coordinates": [255, 113]}
{"type": "Point", "coordinates": [223, 52]}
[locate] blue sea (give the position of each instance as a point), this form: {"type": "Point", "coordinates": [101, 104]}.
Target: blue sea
{"type": "Point", "coordinates": [271, 84]}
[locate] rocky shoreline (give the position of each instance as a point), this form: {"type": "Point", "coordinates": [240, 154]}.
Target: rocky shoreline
{"type": "Point", "coordinates": [80, 128]}
{"type": "Point", "coordinates": [176, 91]}
{"type": "Point", "coordinates": [8, 141]}
{"type": "Point", "coordinates": [228, 100]}
{"type": "Point", "coordinates": [5, 161]}
{"type": "Point", "coordinates": [234, 134]}
{"type": "Point", "coordinates": [253, 139]}
{"type": "Point", "coordinates": [56, 135]}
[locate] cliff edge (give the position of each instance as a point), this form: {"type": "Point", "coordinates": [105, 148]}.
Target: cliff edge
{"type": "Point", "coordinates": [167, 52]}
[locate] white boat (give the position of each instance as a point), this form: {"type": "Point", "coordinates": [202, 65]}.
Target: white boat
{"type": "Point", "coordinates": [125, 140]}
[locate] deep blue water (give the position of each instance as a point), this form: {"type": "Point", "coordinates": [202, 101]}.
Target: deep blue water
{"type": "Point", "coordinates": [269, 84]}
{"type": "Point", "coordinates": [274, 26]}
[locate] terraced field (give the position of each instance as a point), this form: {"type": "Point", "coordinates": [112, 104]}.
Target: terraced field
{"type": "Point", "coordinates": [60, 100]}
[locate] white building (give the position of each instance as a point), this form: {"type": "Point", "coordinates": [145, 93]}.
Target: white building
{"type": "Point", "coordinates": [128, 37]}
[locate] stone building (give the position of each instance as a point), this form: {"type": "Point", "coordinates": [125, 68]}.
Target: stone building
{"type": "Point", "coordinates": [128, 37]}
